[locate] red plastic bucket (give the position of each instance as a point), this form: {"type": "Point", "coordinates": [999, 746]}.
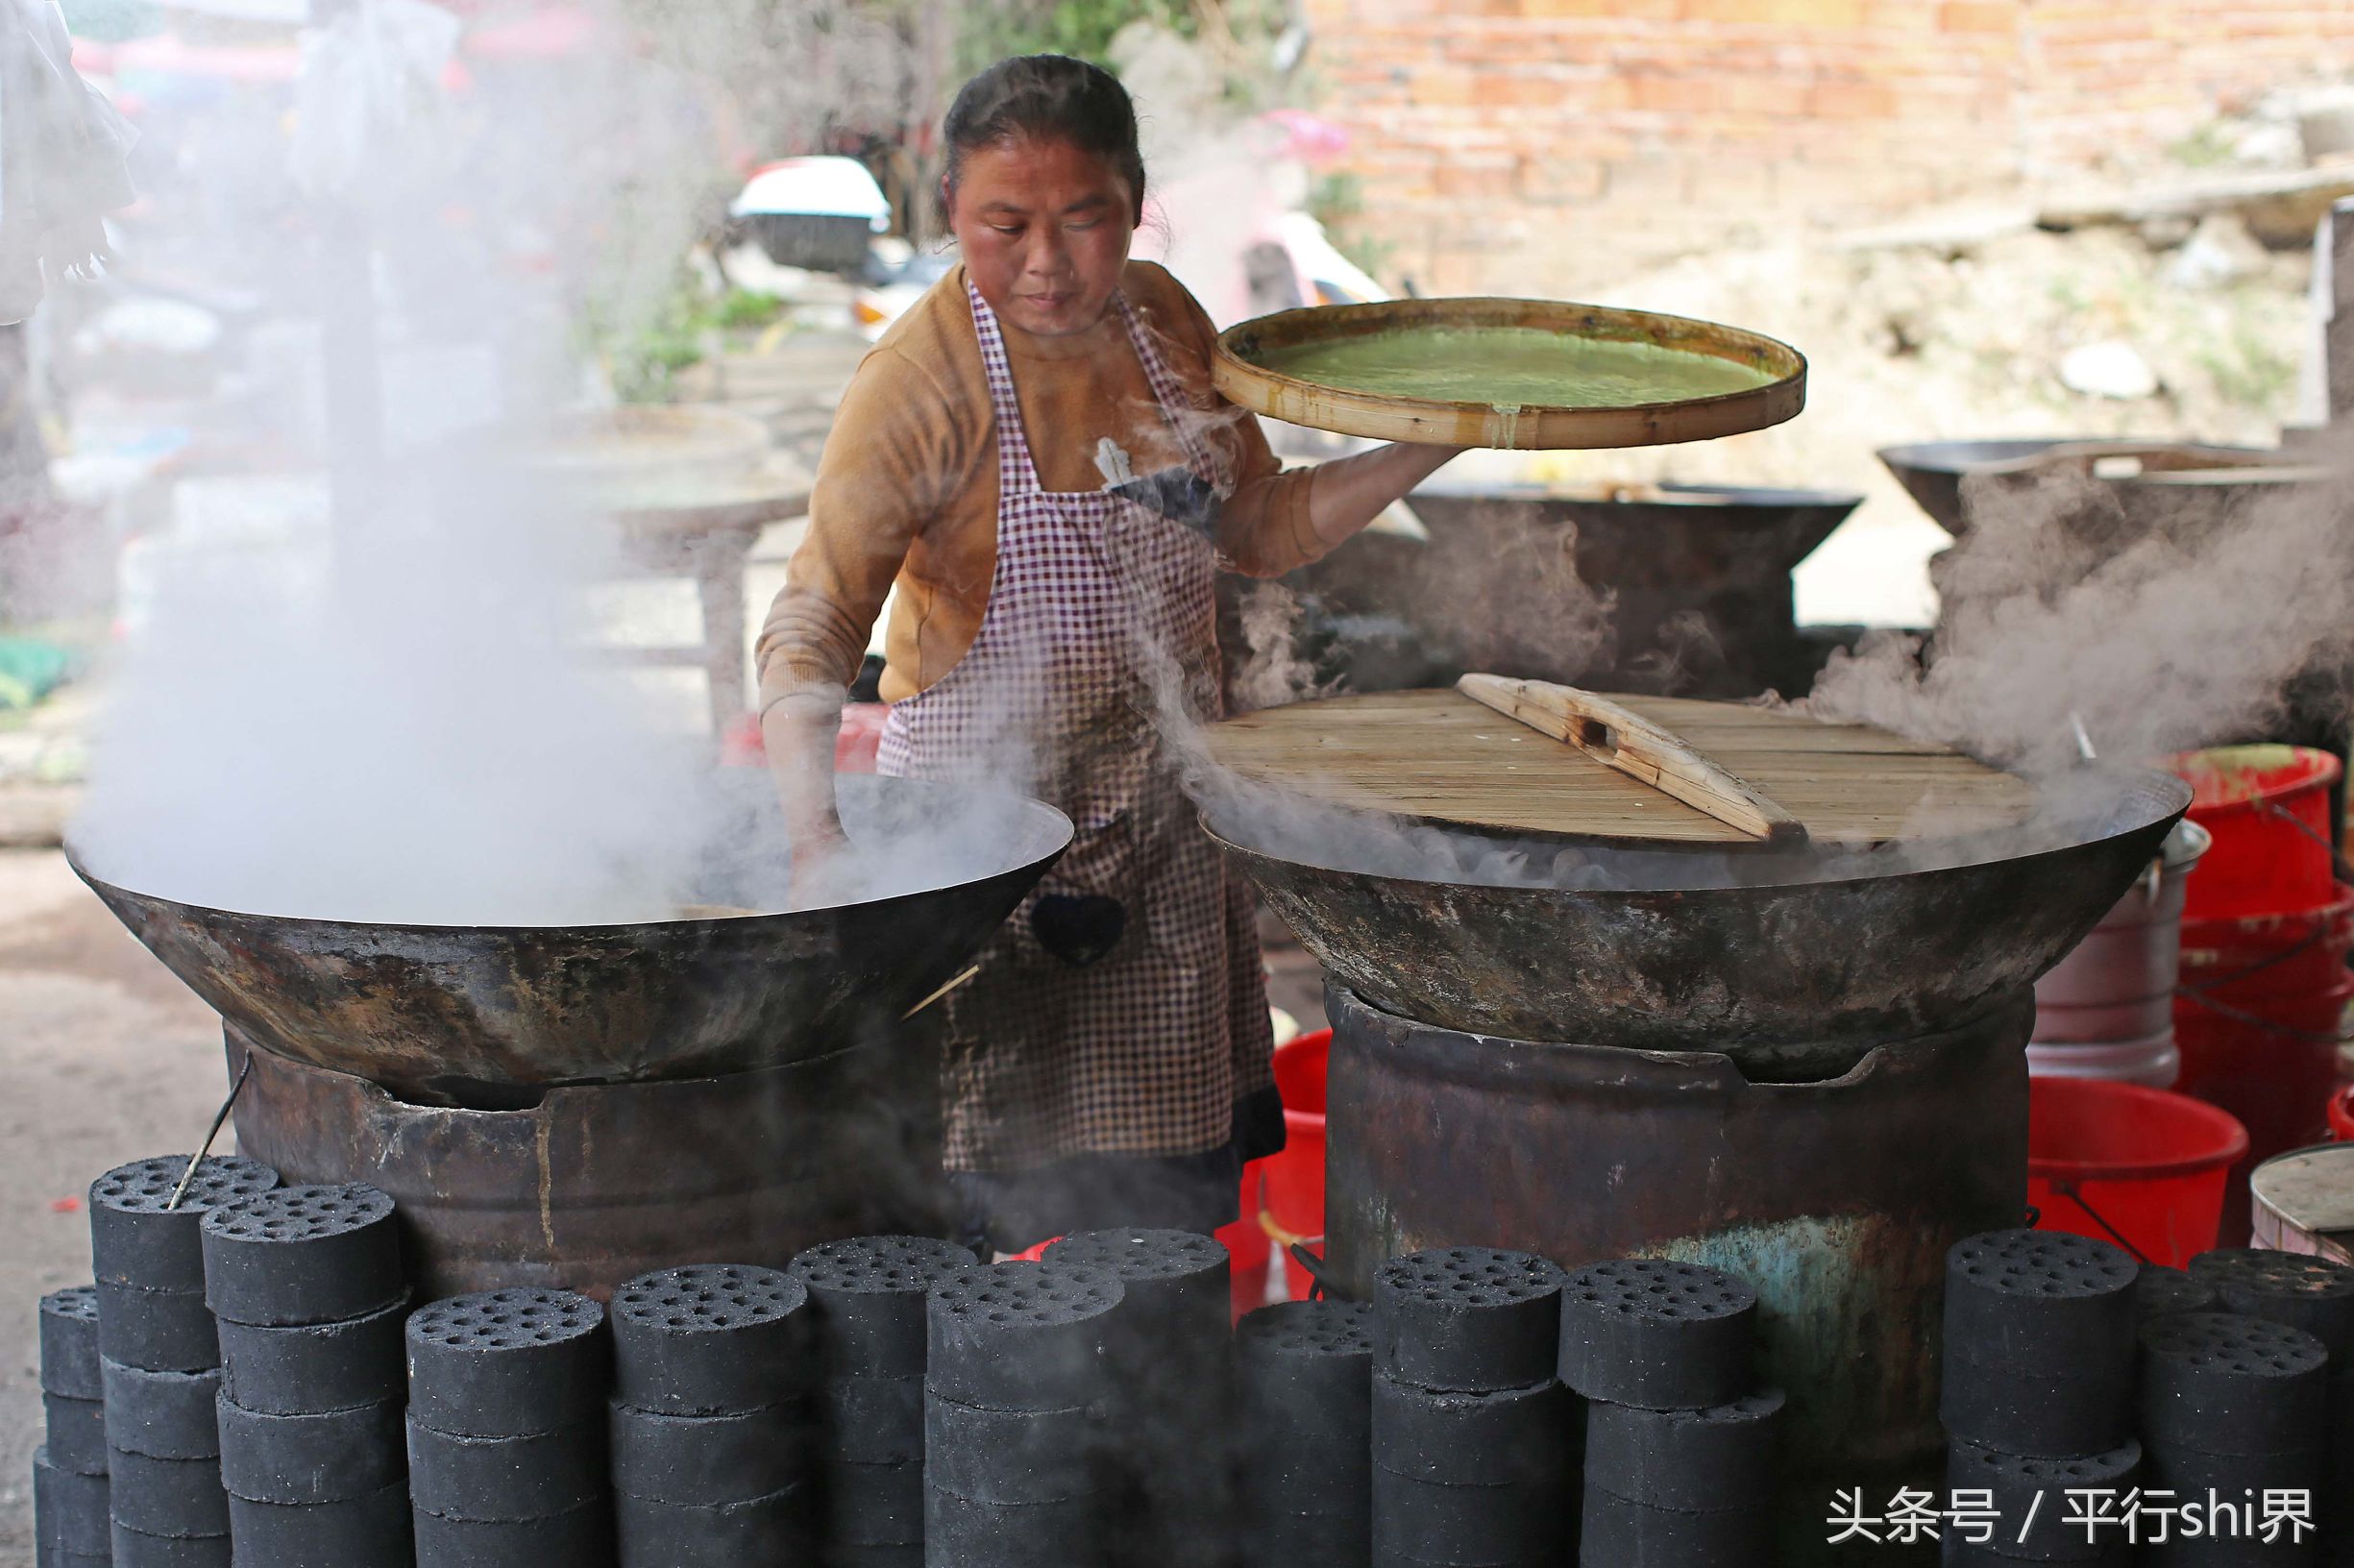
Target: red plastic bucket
{"type": "Point", "coordinates": [2121, 1163]}
{"type": "Point", "coordinates": [2267, 807]}
{"type": "Point", "coordinates": [1295, 1209]}
{"type": "Point", "coordinates": [1247, 1246]}
{"type": "Point", "coordinates": [2342, 1114]}
{"type": "Point", "coordinates": [2254, 956]}
{"type": "Point", "coordinates": [2273, 1066]}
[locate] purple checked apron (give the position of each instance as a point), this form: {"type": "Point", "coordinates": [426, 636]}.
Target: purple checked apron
{"type": "Point", "coordinates": [1101, 615]}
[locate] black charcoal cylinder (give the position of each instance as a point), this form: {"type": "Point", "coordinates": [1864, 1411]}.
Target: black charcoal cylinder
{"type": "Point", "coordinates": [1657, 1333]}
{"type": "Point", "coordinates": [74, 1431]}
{"type": "Point", "coordinates": [1721, 1457]}
{"type": "Point", "coordinates": [962, 1533]}
{"type": "Point", "coordinates": [865, 1301]}
{"type": "Point", "coordinates": [707, 1461]}
{"type": "Point", "coordinates": [1170, 1355]}
{"type": "Point", "coordinates": [165, 1415]}
{"type": "Point", "coordinates": [1471, 1318]}
{"type": "Point", "coordinates": [863, 1420]}
{"type": "Point", "coordinates": [1617, 1532]}
{"type": "Point", "coordinates": [167, 1497]}
{"type": "Point", "coordinates": [872, 1504]}
{"type": "Point", "coordinates": [505, 1479]}
{"type": "Point", "coordinates": [583, 1536]}
{"type": "Point", "coordinates": [299, 1368]}
{"type": "Point", "coordinates": [712, 1338]}
{"type": "Point", "coordinates": [1304, 1372]}
{"type": "Point", "coordinates": [508, 1364]}
{"type": "Point", "coordinates": [761, 1530]}
{"type": "Point", "coordinates": [2037, 1414]}
{"type": "Point", "coordinates": [2165, 1291]}
{"type": "Point", "coordinates": [70, 1343]}
{"type": "Point", "coordinates": [2029, 1499]}
{"type": "Point", "coordinates": [69, 1507]}
{"type": "Point", "coordinates": [2316, 1294]}
{"type": "Point", "coordinates": [1503, 1526]}
{"type": "Point", "coordinates": [2218, 1383]}
{"type": "Point", "coordinates": [303, 1255]}
{"type": "Point", "coordinates": [164, 1331]}
{"type": "Point", "coordinates": [327, 1457]}
{"type": "Point", "coordinates": [2041, 1302]}
{"type": "Point", "coordinates": [139, 1237]}
{"type": "Point", "coordinates": [1021, 1337]}
{"type": "Point", "coordinates": [1505, 1437]}
{"type": "Point", "coordinates": [368, 1531]}
{"type": "Point", "coordinates": [138, 1549]}
{"type": "Point", "coordinates": [1012, 1456]}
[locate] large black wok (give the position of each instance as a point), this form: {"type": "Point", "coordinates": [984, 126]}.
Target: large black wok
{"type": "Point", "coordinates": [457, 1012]}
{"type": "Point", "coordinates": [1795, 964]}
{"type": "Point", "coordinates": [1932, 472]}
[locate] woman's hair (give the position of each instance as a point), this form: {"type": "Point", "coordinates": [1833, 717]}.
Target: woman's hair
{"type": "Point", "coordinates": [1047, 95]}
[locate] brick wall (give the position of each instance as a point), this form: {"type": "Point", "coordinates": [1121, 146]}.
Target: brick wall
{"type": "Point", "coordinates": [1516, 144]}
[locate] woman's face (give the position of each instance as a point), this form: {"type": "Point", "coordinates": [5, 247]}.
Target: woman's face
{"type": "Point", "coordinates": [1045, 229]}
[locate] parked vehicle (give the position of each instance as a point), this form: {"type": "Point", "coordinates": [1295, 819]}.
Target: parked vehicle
{"type": "Point", "coordinates": [819, 213]}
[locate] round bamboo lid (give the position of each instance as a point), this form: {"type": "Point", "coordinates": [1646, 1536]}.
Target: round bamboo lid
{"type": "Point", "coordinates": [1241, 374]}
{"type": "Point", "coordinates": [1761, 776]}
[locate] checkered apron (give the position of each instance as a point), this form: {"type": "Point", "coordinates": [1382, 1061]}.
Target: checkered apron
{"type": "Point", "coordinates": [1100, 619]}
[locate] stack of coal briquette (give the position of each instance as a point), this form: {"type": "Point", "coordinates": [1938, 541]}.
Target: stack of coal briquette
{"type": "Point", "coordinates": [69, 1470]}
{"type": "Point", "coordinates": [1169, 1354]}
{"type": "Point", "coordinates": [1474, 1438]}
{"type": "Point", "coordinates": [1014, 1390]}
{"type": "Point", "coordinates": [2039, 1391]}
{"type": "Point", "coordinates": [506, 1431]}
{"type": "Point", "coordinates": [2315, 1297]}
{"type": "Point", "coordinates": [1680, 1440]}
{"type": "Point", "coordinates": [866, 1305]}
{"type": "Point", "coordinates": [713, 1371]}
{"type": "Point", "coordinates": [317, 1479]}
{"type": "Point", "coordinates": [1305, 1442]}
{"type": "Point", "coordinates": [160, 1357]}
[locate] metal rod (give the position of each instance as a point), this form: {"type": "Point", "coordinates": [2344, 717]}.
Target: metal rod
{"type": "Point", "coordinates": [219, 1116]}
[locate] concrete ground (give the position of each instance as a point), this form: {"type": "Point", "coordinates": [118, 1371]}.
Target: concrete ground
{"type": "Point", "coordinates": [103, 1058]}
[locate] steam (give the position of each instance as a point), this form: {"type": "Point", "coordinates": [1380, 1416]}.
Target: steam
{"type": "Point", "coordinates": [1274, 673]}
{"type": "Point", "coordinates": [2165, 615]}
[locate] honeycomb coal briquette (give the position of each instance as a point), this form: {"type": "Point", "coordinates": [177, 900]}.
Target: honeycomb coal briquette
{"type": "Point", "coordinates": [1469, 1318]}
{"type": "Point", "coordinates": [1305, 1389]}
{"type": "Point", "coordinates": [2040, 1301]}
{"type": "Point", "coordinates": [1520, 1436]}
{"type": "Point", "coordinates": [959, 1532]}
{"type": "Point", "coordinates": [1428, 1522]}
{"type": "Point", "coordinates": [1629, 1535]}
{"type": "Point", "coordinates": [303, 1255]}
{"type": "Point", "coordinates": [2190, 1472]}
{"type": "Point", "coordinates": [138, 1549]}
{"type": "Point", "coordinates": [70, 1507]}
{"type": "Point", "coordinates": [330, 1456]}
{"type": "Point", "coordinates": [2316, 1294]}
{"type": "Point", "coordinates": [712, 1338]}
{"type": "Point", "coordinates": [505, 1479]}
{"type": "Point", "coordinates": [164, 1331]}
{"type": "Point", "coordinates": [852, 1555]}
{"type": "Point", "coordinates": [873, 1504]}
{"type": "Point", "coordinates": [165, 1415]}
{"type": "Point", "coordinates": [865, 1297]}
{"type": "Point", "coordinates": [777, 1528]}
{"type": "Point", "coordinates": [2040, 1414]}
{"type": "Point", "coordinates": [2165, 1291]}
{"type": "Point", "coordinates": [70, 1343]}
{"type": "Point", "coordinates": [1175, 1281]}
{"type": "Point", "coordinates": [1011, 1457]}
{"type": "Point", "coordinates": [302, 1368]}
{"type": "Point", "coordinates": [167, 1497]}
{"type": "Point", "coordinates": [138, 1238]}
{"type": "Point", "coordinates": [1021, 1337]}
{"type": "Point", "coordinates": [1720, 1457]}
{"type": "Point", "coordinates": [75, 1430]}
{"type": "Point", "coordinates": [707, 1461]}
{"type": "Point", "coordinates": [2032, 1494]}
{"type": "Point", "coordinates": [508, 1364]}
{"type": "Point", "coordinates": [864, 1420]}
{"type": "Point", "coordinates": [369, 1532]}
{"type": "Point", "coordinates": [1657, 1332]}
{"type": "Point", "coordinates": [2221, 1383]}
{"type": "Point", "coordinates": [582, 1539]}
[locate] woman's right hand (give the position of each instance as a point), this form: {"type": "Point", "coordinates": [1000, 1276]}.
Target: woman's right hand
{"type": "Point", "coordinates": [799, 733]}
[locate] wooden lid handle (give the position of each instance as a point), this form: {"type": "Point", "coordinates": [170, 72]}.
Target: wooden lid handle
{"type": "Point", "coordinates": [1635, 745]}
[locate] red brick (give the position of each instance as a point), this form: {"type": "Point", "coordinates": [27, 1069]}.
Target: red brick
{"type": "Point", "coordinates": [1851, 101]}
{"type": "Point", "coordinates": [1980, 16]}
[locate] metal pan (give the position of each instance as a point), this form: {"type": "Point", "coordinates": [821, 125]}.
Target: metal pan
{"type": "Point", "coordinates": [450, 1013]}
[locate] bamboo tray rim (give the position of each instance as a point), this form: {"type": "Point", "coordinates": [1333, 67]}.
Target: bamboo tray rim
{"type": "Point", "coordinates": [1245, 381]}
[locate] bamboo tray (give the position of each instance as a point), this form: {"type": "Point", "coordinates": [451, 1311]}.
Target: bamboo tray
{"type": "Point", "coordinates": [1442, 757]}
{"type": "Point", "coordinates": [1243, 380]}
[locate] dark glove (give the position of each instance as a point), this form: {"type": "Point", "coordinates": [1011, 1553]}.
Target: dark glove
{"type": "Point", "coordinates": [1079, 928]}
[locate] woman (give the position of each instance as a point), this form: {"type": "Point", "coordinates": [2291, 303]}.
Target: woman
{"type": "Point", "coordinates": [1109, 1065]}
